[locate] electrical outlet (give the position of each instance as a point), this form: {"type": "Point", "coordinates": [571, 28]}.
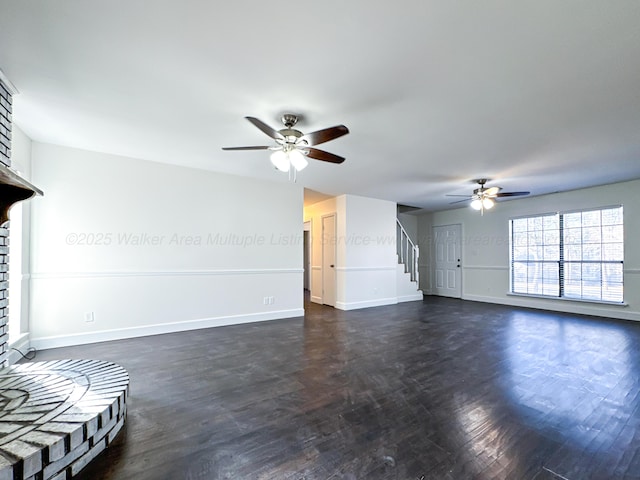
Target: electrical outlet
{"type": "Point", "coordinates": [265, 301]}
{"type": "Point", "coordinates": [89, 317]}
{"type": "Point", "coordinates": [271, 300]}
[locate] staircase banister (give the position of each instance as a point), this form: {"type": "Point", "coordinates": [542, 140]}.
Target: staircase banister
{"type": "Point", "coordinates": [405, 233]}
{"type": "Point", "coordinates": [408, 257]}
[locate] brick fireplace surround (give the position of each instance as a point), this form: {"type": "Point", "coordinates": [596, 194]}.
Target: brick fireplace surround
{"type": "Point", "coordinates": [12, 190]}
{"type": "Point", "coordinates": [57, 416]}
{"type": "Point", "coordinates": [5, 161]}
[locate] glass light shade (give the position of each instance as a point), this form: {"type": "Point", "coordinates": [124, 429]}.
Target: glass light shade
{"type": "Point", "coordinates": [298, 159]}
{"type": "Point", "coordinates": [280, 160]}
{"type": "Point", "coordinates": [487, 203]}
{"type": "Point", "coordinates": [476, 204]}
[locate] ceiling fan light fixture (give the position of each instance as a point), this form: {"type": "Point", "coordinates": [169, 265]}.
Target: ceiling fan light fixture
{"type": "Point", "coordinates": [284, 159]}
{"type": "Point", "coordinates": [280, 160]}
{"type": "Point", "coordinates": [485, 198]}
{"type": "Point", "coordinates": [298, 159]}
{"type": "Point", "coordinates": [291, 149]}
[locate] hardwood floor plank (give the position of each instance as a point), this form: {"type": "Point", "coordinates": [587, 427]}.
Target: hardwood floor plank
{"type": "Point", "coordinates": [439, 389]}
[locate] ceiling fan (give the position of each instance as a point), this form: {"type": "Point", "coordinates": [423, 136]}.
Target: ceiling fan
{"type": "Point", "coordinates": [484, 198]}
{"type": "Point", "coordinates": [292, 146]}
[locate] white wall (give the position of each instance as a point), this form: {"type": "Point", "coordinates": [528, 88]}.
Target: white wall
{"type": "Point", "coordinates": [368, 271]}
{"type": "Point", "coordinates": [365, 250]}
{"type": "Point", "coordinates": [485, 246]}
{"type": "Point", "coordinates": [151, 248]}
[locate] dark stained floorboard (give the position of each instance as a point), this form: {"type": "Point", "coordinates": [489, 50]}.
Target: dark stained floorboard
{"type": "Point", "coordinates": [439, 389]}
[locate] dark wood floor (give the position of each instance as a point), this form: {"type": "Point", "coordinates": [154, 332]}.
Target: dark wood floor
{"type": "Point", "coordinates": [440, 389]}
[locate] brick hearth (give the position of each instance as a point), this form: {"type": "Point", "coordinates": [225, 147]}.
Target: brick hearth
{"type": "Point", "coordinates": [55, 417]}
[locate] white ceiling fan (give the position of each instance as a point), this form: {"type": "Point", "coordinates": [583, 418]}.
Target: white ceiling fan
{"type": "Point", "coordinates": [292, 146]}
{"type": "Point", "coordinates": [485, 198]}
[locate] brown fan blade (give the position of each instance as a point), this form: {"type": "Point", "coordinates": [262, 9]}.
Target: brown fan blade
{"type": "Point", "coordinates": [326, 134]}
{"type": "Point", "coordinates": [491, 191]}
{"type": "Point", "coordinates": [512, 194]}
{"type": "Point", "coordinates": [324, 156]}
{"type": "Point", "coordinates": [459, 201]}
{"type": "Point", "coordinates": [246, 148]}
{"type": "Point", "coordinates": [450, 195]}
{"type": "Point", "coordinates": [265, 128]}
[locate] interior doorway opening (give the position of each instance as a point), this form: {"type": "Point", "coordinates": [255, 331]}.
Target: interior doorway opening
{"type": "Point", "coordinates": [306, 257]}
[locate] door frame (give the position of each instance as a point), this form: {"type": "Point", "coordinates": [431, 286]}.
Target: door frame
{"type": "Point", "coordinates": [335, 256]}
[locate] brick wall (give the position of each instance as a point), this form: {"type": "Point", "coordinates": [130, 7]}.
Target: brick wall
{"type": "Point", "coordinates": [5, 158]}
{"type": "Point", "coordinates": [4, 292]}
{"type": "Point", "coordinates": [5, 125]}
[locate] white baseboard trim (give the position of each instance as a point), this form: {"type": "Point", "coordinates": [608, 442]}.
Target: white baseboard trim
{"type": "Point", "coordinates": [560, 306]}
{"type": "Point", "coordinates": [316, 299]}
{"type": "Point", "coordinates": [21, 343]}
{"type": "Point", "coordinates": [411, 298]}
{"type": "Point", "coordinates": [43, 343]}
{"type": "Point", "coordinates": [366, 304]}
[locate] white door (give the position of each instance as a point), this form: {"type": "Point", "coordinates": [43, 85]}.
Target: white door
{"type": "Point", "coordinates": [329, 260]}
{"type": "Point", "coordinates": [447, 267]}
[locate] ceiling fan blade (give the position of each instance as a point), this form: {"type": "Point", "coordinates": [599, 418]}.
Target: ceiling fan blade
{"type": "Point", "coordinates": [491, 191]}
{"type": "Point", "coordinates": [326, 134]}
{"type": "Point", "coordinates": [246, 148]}
{"type": "Point", "coordinates": [512, 194]}
{"type": "Point", "coordinates": [468, 196]}
{"type": "Point", "coordinates": [265, 128]}
{"type": "Point", "coordinates": [460, 201]}
{"type": "Point", "coordinates": [324, 156]}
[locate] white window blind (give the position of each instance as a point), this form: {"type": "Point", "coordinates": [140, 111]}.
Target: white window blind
{"type": "Point", "coordinates": [577, 255]}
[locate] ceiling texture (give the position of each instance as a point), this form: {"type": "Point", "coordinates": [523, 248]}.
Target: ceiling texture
{"type": "Point", "coordinates": [538, 95]}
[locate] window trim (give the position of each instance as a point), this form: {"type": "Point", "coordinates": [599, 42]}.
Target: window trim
{"type": "Point", "coordinates": [569, 299]}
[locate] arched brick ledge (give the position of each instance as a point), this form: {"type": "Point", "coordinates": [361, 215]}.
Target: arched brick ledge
{"type": "Point", "coordinates": [57, 416]}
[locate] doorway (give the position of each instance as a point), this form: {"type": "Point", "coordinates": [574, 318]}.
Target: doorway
{"type": "Point", "coordinates": [447, 265]}
{"type": "Point", "coordinates": [306, 256]}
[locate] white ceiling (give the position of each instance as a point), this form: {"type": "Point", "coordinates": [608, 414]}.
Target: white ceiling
{"type": "Point", "coordinates": [539, 95]}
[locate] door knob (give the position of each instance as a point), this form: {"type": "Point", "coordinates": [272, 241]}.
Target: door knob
{"type": "Point", "coordinates": [331, 265]}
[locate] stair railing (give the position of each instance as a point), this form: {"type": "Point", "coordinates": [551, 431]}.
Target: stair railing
{"type": "Point", "coordinates": [408, 252]}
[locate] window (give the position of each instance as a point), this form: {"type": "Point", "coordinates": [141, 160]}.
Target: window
{"type": "Point", "coordinates": [576, 255]}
